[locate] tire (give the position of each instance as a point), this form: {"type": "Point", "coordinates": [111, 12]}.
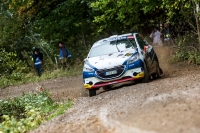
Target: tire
{"type": "Point", "coordinates": [92, 92]}
{"type": "Point", "coordinates": [154, 75]}
{"type": "Point", "coordinates": [146, 75]}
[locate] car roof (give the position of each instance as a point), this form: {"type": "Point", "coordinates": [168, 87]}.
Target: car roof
{"type": "Point", "coordinates": [99, 42]}
{"type": "Point", "coordinates": [122, 35]}
{"type": "Point", "coordinates": [112, 37]}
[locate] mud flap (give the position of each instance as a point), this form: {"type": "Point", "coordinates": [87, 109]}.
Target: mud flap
{"type": "Point", "coordinates": [161, 71]}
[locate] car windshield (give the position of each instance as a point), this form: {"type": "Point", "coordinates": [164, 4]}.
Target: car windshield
{"type": "Point", "coordinates": [109, 47]}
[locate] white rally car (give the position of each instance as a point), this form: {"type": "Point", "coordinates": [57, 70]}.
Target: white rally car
{"type": "Point", "coordinates": [117, 59]}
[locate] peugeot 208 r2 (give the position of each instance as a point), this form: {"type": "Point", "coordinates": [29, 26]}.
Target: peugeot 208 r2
{"type": "Point", "coordinates": [117, 59]}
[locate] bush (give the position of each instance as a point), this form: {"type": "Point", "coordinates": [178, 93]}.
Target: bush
{"type": "Point", "coordinates": [16, 107]}
{"type": "Point", "coordinates": [21, 114]}
{"type": "Point", "coordinates": [10, 66]}
{"type": "Point", "coordinates": [186, 50]}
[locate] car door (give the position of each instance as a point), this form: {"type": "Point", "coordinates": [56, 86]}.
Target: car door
{"type": "Point", "coordinates": [152, 54]}
{"type": "Point", "coordinates": [146, 50]}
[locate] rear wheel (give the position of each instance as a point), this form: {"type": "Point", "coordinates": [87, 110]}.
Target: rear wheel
{"type": "Point", "coordinates": [92, 92]}
{"type": "Point", "coordinates": [146, 75]}
{"type": "Point", "coordinates": [158, 72]}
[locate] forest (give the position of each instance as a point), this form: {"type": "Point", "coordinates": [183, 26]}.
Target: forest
{"type": "Point", "coordinates": [26, 24]}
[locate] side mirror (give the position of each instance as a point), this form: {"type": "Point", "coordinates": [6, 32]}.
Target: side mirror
{"type": "Point", "coordinates": [146, 48]}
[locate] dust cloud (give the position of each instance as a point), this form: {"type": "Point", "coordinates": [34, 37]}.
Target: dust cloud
{"type": "Point", "coordinates": [164, 54]}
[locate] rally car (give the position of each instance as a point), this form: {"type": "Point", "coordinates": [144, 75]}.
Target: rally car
{"type": "Point", "coordinates": [117, 59]}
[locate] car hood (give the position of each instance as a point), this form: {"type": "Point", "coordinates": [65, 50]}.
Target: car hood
{"type": "Point", "coordinates": [110, 60]}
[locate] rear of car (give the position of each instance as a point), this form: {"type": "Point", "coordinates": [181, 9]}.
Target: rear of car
{"type": "Point", "coordinates": [114, 60]}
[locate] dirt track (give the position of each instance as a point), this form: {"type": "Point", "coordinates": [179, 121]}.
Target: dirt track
{"type": "Point", "coordinates": [170, 104]}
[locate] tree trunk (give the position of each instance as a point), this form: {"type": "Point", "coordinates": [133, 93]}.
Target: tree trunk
{"type": "Point", "coordinates": [196, 11]}
{"type": "Point", "coordinates": [83, 38]}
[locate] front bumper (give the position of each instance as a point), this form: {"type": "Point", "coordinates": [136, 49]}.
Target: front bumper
{"type": "Point", "coordinates": [129, 75]}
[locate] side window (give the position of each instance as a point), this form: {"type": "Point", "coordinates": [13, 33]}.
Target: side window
{"type": "Point", "coordinates": [140, 41]}
{"type": "Point", "coordinates": [133, 42]}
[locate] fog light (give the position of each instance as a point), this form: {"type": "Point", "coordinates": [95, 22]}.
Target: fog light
{"type": "Point", "coordinates": [135, 74]}
{"type": "Point", "coordinates": [90, 83]}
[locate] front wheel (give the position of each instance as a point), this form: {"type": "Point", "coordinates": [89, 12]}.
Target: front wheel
{"type": "Point", "coordinates": [92, 92]}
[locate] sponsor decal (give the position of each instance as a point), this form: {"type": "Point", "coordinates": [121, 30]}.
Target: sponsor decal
{"type": "Point", "coordinates": [114, 82]}
{"type": "Point", "coordinates": [90, 73]}
{"type": "Point", "coordinates": [128, 54]}
{"type": "Point", "coordinates": [131, 65]}
{"type": "Point", "coordinates": [112, 39]}
{"type": "Point", "coordinates": [120, 55]}
{"type": "Point", "coordinates": [122, 37]}
{"type": "Point", "coordinates": [130, 37]}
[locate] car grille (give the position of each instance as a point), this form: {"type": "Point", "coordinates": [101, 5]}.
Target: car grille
{"type": "Point", "coordinates": [119, 70]}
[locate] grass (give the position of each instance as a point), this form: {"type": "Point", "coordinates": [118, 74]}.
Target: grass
{"type": "Point", "coordinates": [32, 76]}
{"type": "Point", "coordinates": [61, 109]}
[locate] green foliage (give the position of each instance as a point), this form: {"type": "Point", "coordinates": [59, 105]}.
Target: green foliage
{"type": "Point", "coordinates": [182, 53]}
{"type": "Point", "coordinates": [12, 108]}
{"type": "Point", "coordinates": [17, 106]}
{"type": "Point", "coordinates": [11, 66]}
{"type": "Point", "coordinates": [78, 23]}
{"type": "Point", "coordinates": [186, 50]}
{"type": "Point", "coordinates": [59, 109]}
{"type": "Point", "coordinates": [33, 119]}
{"type": "Point", "coordinates": [22, 114]}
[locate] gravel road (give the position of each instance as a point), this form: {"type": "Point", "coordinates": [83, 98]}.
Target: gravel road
{"type": "Point", "coordinates": [170, 104]}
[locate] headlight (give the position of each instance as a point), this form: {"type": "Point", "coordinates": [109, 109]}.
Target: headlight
{"type": "Point", "coordinates": [87, 68]}
{"type": "Point", "coordinates": [133, 59]}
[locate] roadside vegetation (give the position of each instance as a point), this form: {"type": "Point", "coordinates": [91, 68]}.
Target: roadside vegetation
{"type": "Point", "coordinates": [21, 114]}
{"type": "Point", "coordinates": [186, 50]}
{"type": "Point", "coordinates": [78, 23]}
{"type": "Point", "coordinates": [23, 74]}
{"type": "Point", "coordinates": [29, 23]}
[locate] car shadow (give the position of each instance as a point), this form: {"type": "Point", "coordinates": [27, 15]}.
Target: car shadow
{"type": "Point", "coordinates": [117, 86]}
{"type": "Point", "coordinates": [128, 84]}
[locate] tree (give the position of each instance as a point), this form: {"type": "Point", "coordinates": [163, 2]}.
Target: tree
{"type": "Point", "coordinates": [126, 15]}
